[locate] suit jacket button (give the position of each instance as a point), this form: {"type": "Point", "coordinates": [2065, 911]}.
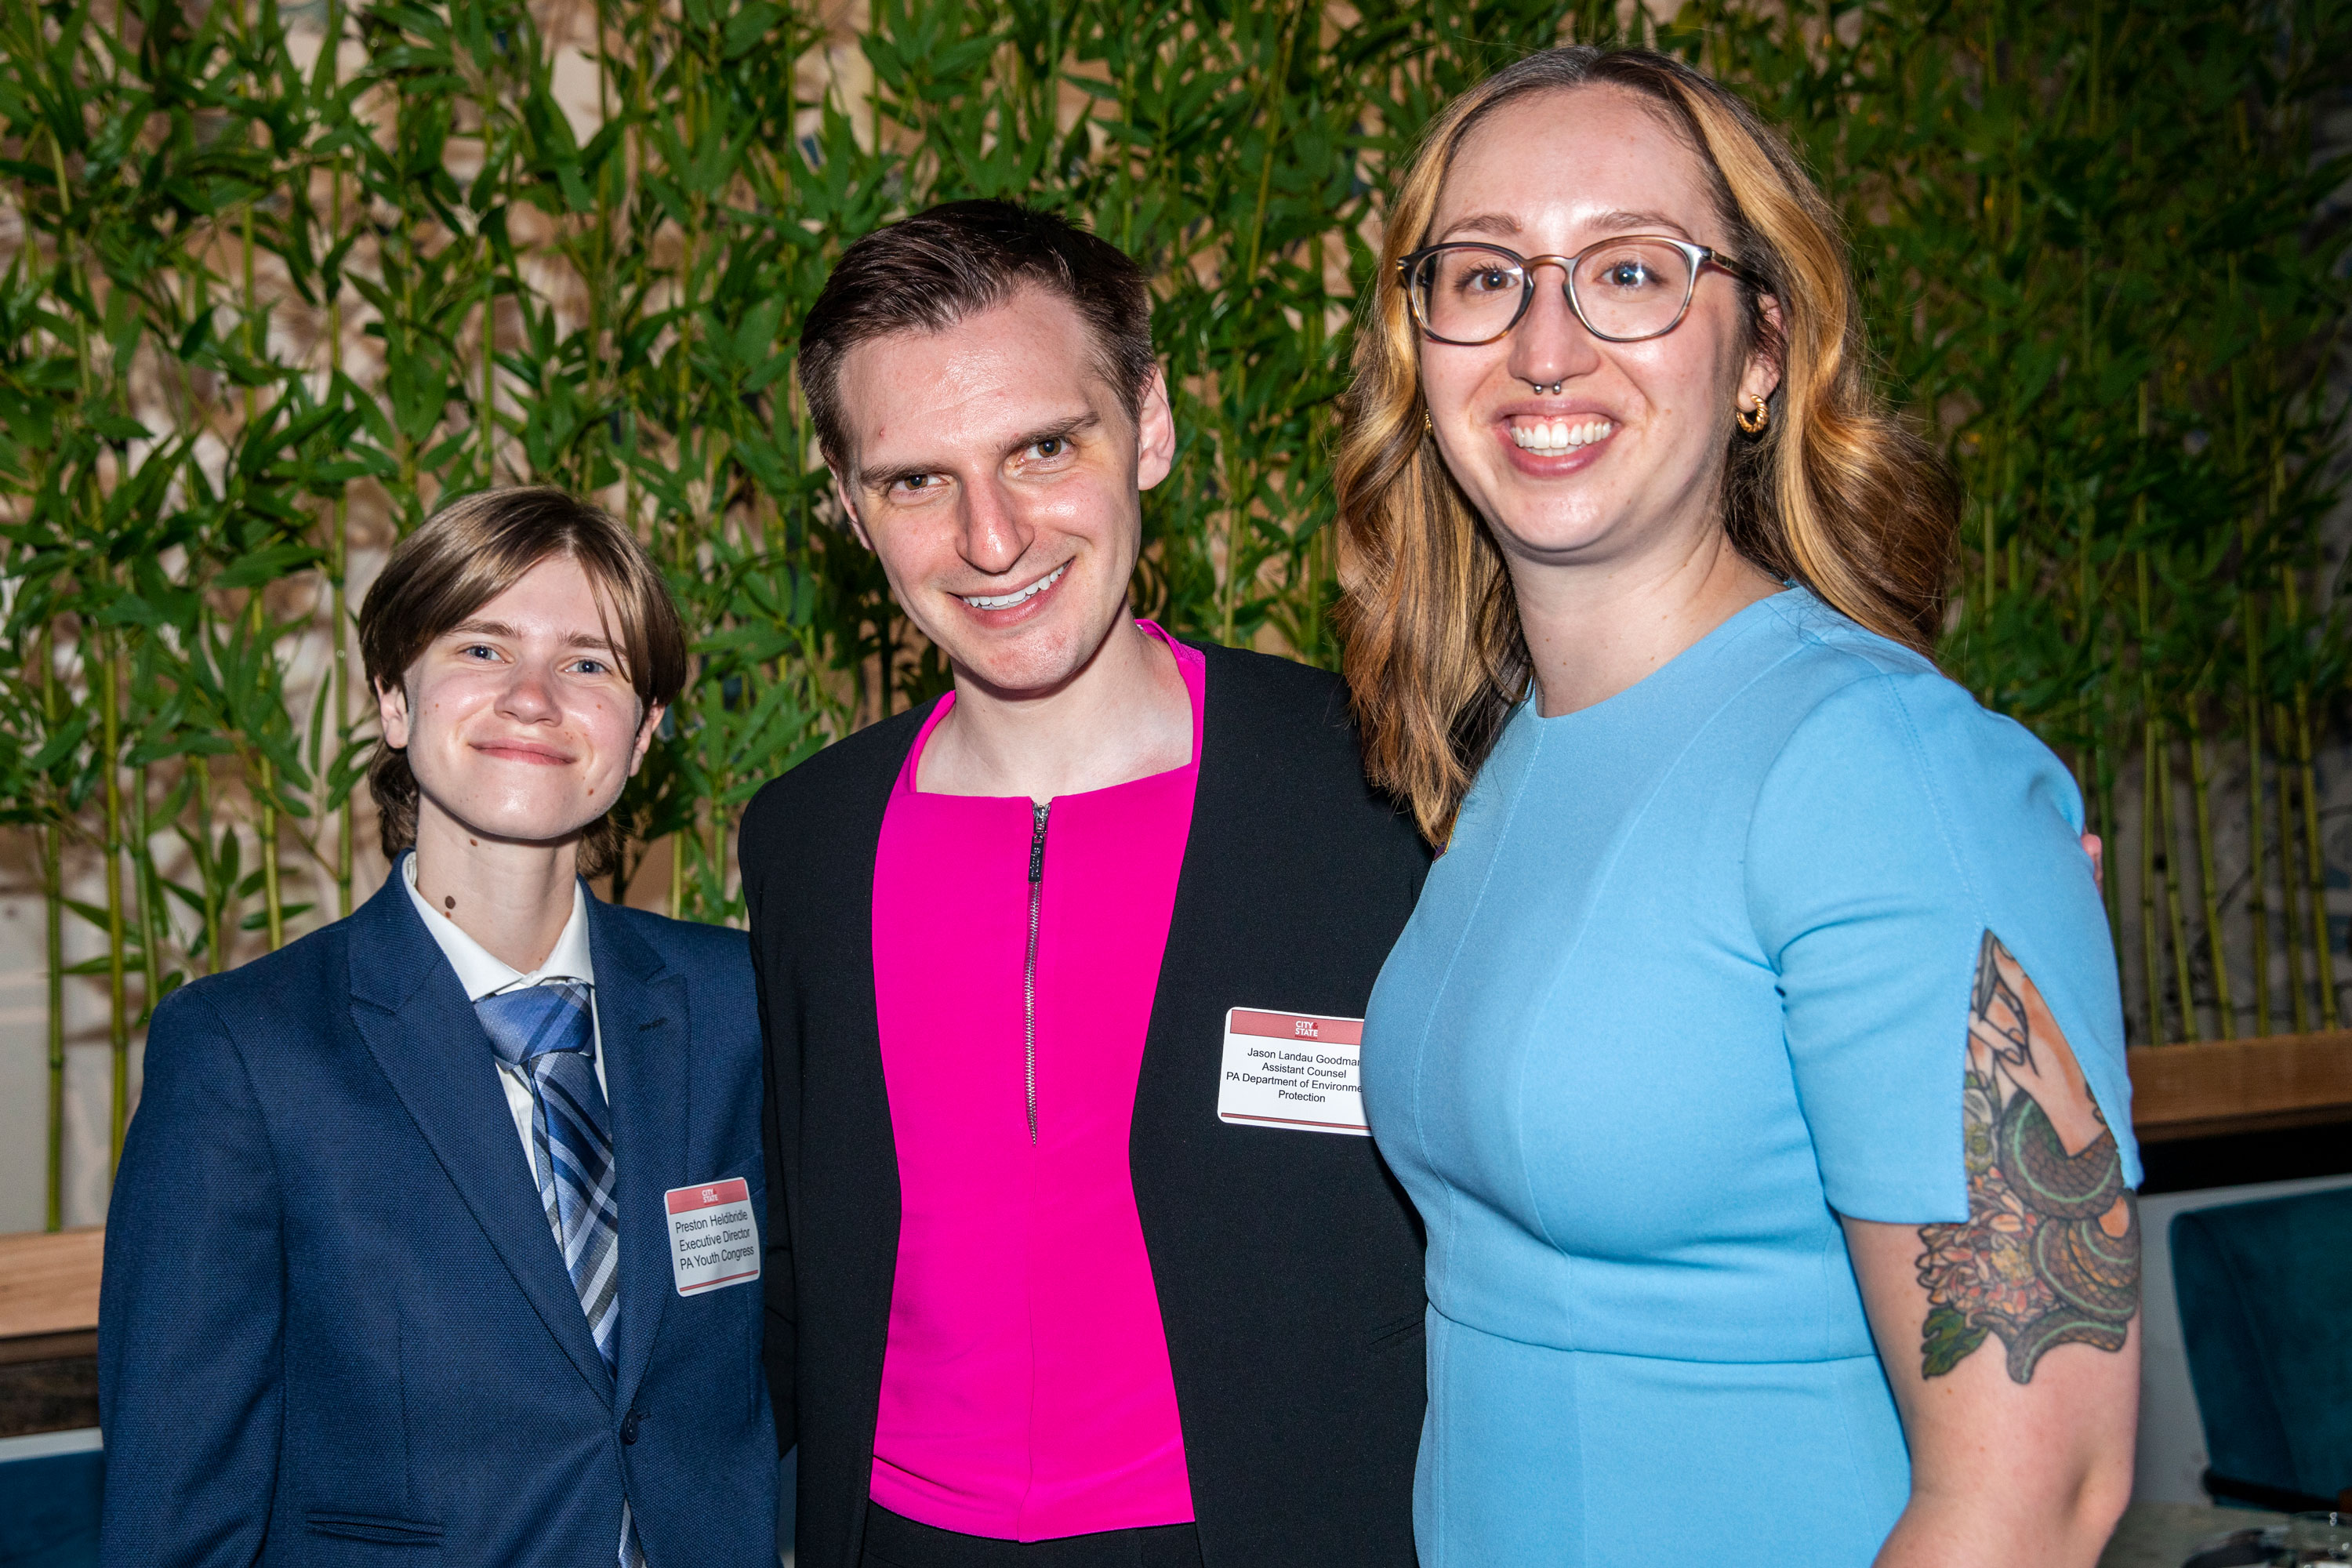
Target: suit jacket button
{"type": "Point", "coordinates": [629, 1426]}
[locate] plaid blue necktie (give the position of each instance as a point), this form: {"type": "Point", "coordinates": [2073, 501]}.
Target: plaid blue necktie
{"type": "Point", "coordinates": [546, 1033]}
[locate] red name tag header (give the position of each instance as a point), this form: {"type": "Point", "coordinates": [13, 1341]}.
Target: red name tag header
{"type": "Point", "coordinates": [684, 1199]}
{"type": "Point", "coordinates": [1298, 1026]}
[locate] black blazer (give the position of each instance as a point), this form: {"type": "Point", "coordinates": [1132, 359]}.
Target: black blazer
{"type": "Point", "coordinates": [1289, 1264]}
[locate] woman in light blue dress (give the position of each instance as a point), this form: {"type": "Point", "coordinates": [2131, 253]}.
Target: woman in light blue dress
{"type": "Point", "coordinates": [1755, 1054]}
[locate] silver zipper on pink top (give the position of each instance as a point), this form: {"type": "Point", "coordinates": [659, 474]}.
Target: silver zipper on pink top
{"type": "Point", "coordinates": [1029, 973]}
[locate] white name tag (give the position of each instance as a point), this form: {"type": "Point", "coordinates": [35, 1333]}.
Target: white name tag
{"type": "Point", "coordinates": [713, 1240]}
{"type": "Point", "coordinates": [1293, 1069]}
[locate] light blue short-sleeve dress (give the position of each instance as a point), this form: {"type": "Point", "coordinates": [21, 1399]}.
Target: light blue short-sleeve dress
{"type": "Point", "coordinates": [1692, 980]}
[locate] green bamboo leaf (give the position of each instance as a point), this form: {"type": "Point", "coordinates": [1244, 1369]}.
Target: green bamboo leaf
{"type": "Point", "coordinates": [750, 27]}
{"type": "Point", "coordinates": [267, 564]}
{"type": "Point", "coordinates": [756, 334]}
{"type": "Point", "coordinates": [118, 427]}
{"type": "Point", "coordinates": [96, 915]}
{"type": "Point", "coordinates": [2037, 248]}
{"type": "Point", "coordinates": [61, 745]}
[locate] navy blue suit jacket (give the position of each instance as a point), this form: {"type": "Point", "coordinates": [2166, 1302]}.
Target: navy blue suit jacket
{"type": "Point", "coordinates": [334, 1325]}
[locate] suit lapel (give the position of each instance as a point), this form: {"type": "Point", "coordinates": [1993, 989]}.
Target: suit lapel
{"type": "Point", "coordinates": [408, 1007]}
{"type": "Point", "coordinates": [641, 1008]}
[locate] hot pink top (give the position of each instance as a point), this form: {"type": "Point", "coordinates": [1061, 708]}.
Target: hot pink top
{"type": "Point", "coordinates": [1025, 1389]}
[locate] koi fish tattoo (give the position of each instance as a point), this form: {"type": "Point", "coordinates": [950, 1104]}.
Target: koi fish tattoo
{"type": "Point", "coordinates": [2050, 1252]}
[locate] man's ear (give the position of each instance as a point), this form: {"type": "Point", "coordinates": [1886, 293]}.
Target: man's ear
{"type": "Point", "coordinates": [1155, 433]}
{"type": "Point", "coordinates": [392, 714]}
{"type": "Point", "coordinates": [646, 728]}
{"type": "Point", "coordinates": [1762, 377]}
{"type": "Point", "coordinates": [848, 507]}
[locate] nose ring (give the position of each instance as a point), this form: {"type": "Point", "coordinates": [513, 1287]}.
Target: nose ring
{"type": "Point", "coordinates": [1553, 389]}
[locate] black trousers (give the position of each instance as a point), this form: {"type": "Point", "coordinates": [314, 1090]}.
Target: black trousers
{"type": "Point", "coordinates": [893, 1540]}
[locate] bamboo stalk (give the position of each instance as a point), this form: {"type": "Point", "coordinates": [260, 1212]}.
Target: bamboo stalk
{"type": "Point", "coordinates": [2290, 936]}
{"type": "Point", "coordinates": [2307, 781]}
{"type": "Point", "coordinates": [216, 897]}
{"type": "Point", "coordinates": [2111, 885]}
{"type": "Point", "coordinates": [2207, 884]}
{"type": "Point", "coordinates": [2315, 861]}
{"type": "Point", "coordinates": [1127, 157]}
{"type": "Point", "coordinates": [1991, 557]}
{"type": "Point", "coordinates": [714, 851]}
{"type": "Point", "coordinates": [267, 818]}
{"type": "Point", "coordinates": [338, 531]}
{"type": "Point", "coordinates": [599, 267]}
{"type": "Point", "coordinates": [489, 417]}
{"type": "Point", "coordinates": [2099, 783]}
{"type": "Point", "coordinates": [2167, 818]}
{"type": "Point", "coordinates": [53, 897]}
{"type": "Point", "coordinates": [1238, 493]}
{"type": "Point", "coordinates": [683, 840]}
{"type": "Point", "coordinates": [339, 621]}
{"type": "Point", "coordinates": [118, 1023]}
{"type": "Point", "coordinates": [2151, 969]}
{"type": "Point", "coordinates": [256, 342]}
{"type": "Point", "coordinates": [273, 896]}
{"type": "Point", "coordinates": [2248, 616]}
{"type": "Point", "coordinates": [257, 349]}
{"type": "Point", "coordinates": [53, 893]}
{"type": "Point", "coordinates": [2151, 818]}
{"type": "Point", "coordinates": [2257, 909]}
{"type": "Point", "coordinates": [148, 887]}
{"type": "Point", "coordinates": [486, 182]}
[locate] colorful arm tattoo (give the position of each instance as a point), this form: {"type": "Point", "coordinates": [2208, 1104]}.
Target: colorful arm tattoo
{"type": "Point", "coordinates": [2050, 1252]}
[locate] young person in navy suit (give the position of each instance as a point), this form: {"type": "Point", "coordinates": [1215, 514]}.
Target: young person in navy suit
{"type": "Point", "coordinates": [436, 1228]}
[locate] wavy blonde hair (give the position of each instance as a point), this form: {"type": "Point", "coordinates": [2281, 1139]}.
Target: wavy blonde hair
{"type": "Point", "coordinates": [1837, 494]}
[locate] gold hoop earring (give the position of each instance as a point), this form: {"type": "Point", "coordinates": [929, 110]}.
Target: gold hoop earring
{"type": "Point", "coordinates": [1753, 419]}
{"type": "Point", "coordinates": [1426, 427]}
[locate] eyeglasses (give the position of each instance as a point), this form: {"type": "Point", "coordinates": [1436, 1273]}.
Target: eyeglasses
{"type": "Point", "coordinates": [1623, 289]}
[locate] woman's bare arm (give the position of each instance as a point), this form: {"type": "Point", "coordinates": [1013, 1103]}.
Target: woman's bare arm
{"type": "Point", "coordinates": [2012, 1339]}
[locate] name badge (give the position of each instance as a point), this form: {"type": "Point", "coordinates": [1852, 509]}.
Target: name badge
{"type": "Point", "coordinates": [1294, 1070]}
{"type": "Point", "coordinates": [714, 1241]}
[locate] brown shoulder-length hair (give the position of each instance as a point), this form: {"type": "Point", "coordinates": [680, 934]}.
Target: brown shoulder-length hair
{"type": "Point", "coordinates": [1837, 494]}
{"type": "Point", "coordinates": [469, 552]}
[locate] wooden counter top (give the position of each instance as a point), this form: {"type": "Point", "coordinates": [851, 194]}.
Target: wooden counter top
{"type": "Point", "coordinates": [2240, 1086]}
{"type": "Point", "coordinates": [48, 1293]}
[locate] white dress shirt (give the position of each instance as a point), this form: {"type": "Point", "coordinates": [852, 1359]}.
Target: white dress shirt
{"type": "Point", "coordinates": [483, 975]}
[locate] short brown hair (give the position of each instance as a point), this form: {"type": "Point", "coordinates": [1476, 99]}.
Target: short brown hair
{"type": "Point", "coordinates": [468, 553]}
{"type": "Point", "coordinates": [928, 272]}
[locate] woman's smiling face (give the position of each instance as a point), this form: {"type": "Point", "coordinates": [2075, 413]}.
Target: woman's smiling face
{"type": "Point", "coordinates": [1628, 454]}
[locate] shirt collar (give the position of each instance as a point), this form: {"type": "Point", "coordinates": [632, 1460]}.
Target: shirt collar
{"type": "Point", "coordinates": [482, 973]}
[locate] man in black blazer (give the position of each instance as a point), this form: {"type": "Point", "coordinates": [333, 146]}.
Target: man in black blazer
{"type": "Point", "coordinates": [985, 393]}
